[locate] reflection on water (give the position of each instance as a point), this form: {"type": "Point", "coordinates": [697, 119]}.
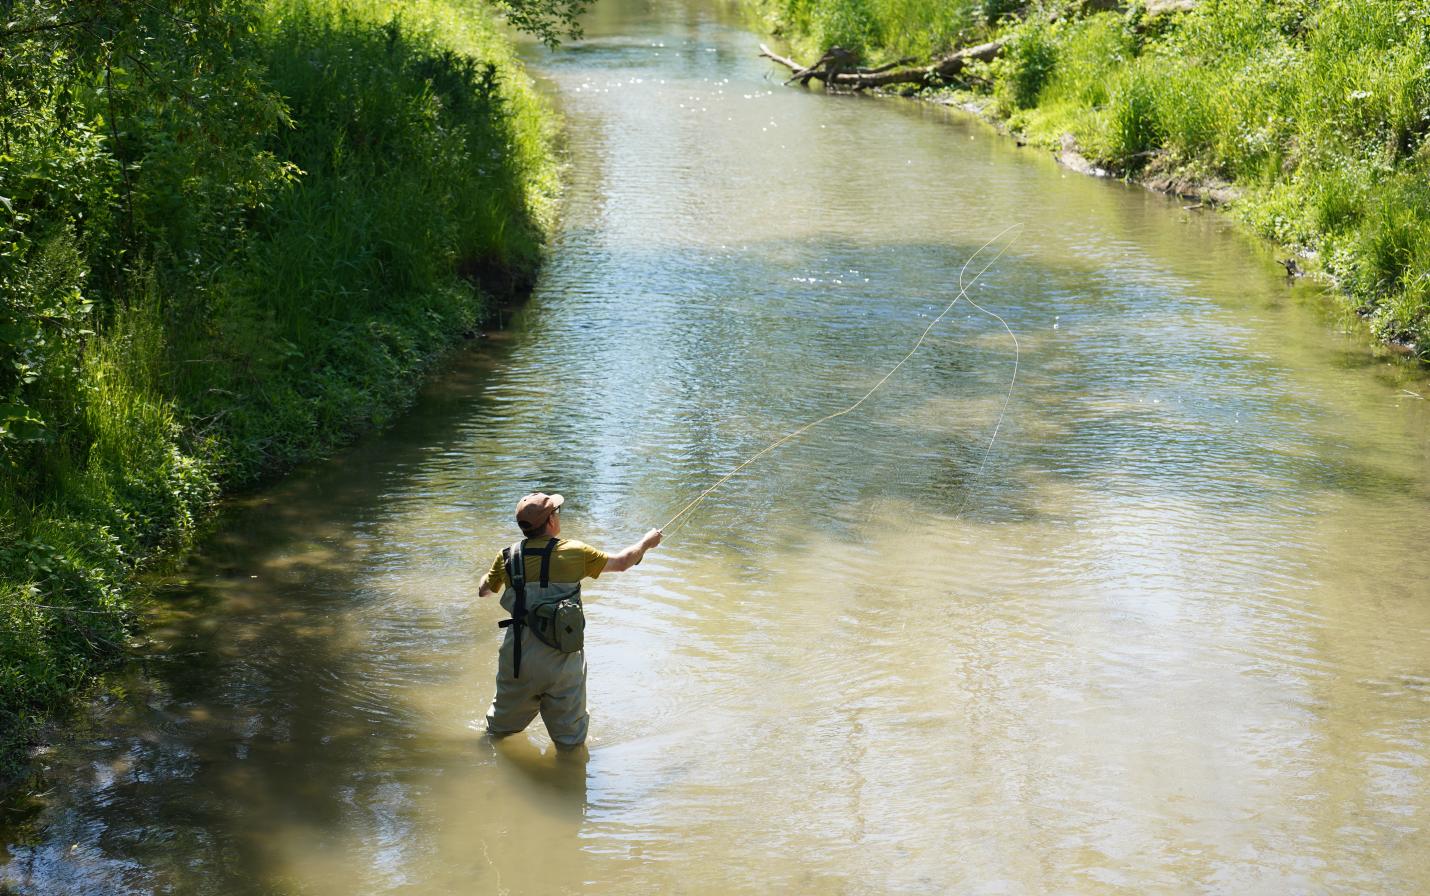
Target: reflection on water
{"type": "Point", "coordinates": [1171, 637]}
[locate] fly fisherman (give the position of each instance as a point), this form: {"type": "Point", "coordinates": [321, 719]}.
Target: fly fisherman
{"type": "Point", "coordinates": [542, 666]}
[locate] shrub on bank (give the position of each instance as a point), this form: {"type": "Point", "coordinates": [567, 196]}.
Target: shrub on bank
{"type": "Point", "coordinates": [410, 178]}
{"type": "Point", "coordinates": [231, 235]}
{"type": "Point", "coordinates": [1026, 66]}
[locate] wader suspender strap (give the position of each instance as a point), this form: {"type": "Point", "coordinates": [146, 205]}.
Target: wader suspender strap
{"type": "Point", "coordinates": [514, 558]}
{"type": "Point", "coordinates": [545, 554]}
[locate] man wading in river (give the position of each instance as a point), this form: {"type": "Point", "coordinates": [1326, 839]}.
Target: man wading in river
{"type": "Point", "coordinates": [542, 666]}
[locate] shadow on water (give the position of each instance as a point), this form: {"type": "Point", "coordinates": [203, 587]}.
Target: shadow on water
{"type": "Point", "coordinates": [556, 778]}
{"type": "Point", "coordinates": [249, 718]}
{"type": "Point", "coordinates": [255, 706]}
{"type": "Point", "coordinates": [1121, 378]}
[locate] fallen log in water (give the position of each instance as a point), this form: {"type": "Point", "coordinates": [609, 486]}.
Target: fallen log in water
{"type": "Point", "coordinates": [839, 68]}
{"type": "Point", "coordinates": [836, 68]}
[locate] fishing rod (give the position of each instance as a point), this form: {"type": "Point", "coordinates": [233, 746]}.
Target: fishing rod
{"type": "Point", "coordinates": [682, 515]}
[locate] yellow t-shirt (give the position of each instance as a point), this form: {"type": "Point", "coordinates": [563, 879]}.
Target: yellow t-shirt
{"type": "Point", "coordinates": [572, 561]}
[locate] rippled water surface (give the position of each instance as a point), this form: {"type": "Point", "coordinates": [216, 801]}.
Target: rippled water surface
{"type": "Point", "coordinates": [1168, 635]}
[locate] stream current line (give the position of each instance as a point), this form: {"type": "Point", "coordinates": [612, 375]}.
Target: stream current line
{"type": "Point", "coordinates": [962, 294]}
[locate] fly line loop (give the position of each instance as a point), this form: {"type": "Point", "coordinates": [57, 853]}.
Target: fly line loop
{"type": "Point", "coordinates": [682, 516]}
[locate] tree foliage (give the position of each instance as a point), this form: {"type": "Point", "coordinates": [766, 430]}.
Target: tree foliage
{"type": "Point", "coordinates": [550, 20]}
{"type": "Point", "coordinates": [232, 234]}
{"type": "Point", "coordinates": [127, 129]}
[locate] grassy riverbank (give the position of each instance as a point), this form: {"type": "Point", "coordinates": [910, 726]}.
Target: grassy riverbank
{"type": "Point", "coordinates": [1315, 113]}
{"type": "Point", "coordinates": [232, 235]}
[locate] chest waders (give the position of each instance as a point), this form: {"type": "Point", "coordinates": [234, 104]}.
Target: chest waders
{"type": "Point", "coordinates": [514, 559]}
{"type": "Point", "coordinates": [556, 618]}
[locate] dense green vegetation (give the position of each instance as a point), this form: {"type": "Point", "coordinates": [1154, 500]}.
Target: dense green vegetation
{"type": "Point", "coordinates": [1317, 110]}
{"type": "Point", "coordinates": [232, 234]}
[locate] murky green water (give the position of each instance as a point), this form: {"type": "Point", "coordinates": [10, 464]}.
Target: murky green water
{"type": "Point", "coordinates": [1172, 634]}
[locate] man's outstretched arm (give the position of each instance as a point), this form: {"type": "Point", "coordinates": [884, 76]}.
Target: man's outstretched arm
{"type": "Point", "coordinates": [617, 563]}
{"type": "Point", "coordinates": [633, 554]}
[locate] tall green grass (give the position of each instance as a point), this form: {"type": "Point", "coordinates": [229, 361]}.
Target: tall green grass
{"type": "Point", "coordinates": [1318, 110]}
{"type": "Point", "coordinates": [420, 165]}
{"type": "Point", "coordinates": [195, 295]}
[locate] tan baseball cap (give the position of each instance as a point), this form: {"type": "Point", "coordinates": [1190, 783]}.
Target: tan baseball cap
{"type": "Point", "coordinates": [535, 509]}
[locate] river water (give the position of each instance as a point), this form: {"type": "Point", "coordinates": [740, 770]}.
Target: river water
{"type": "Point", "coordinates": [1170, 633]}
